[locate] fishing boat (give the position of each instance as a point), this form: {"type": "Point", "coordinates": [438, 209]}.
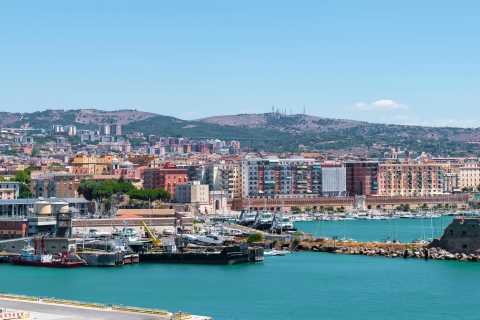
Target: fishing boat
{"type": "Point", "coordinates": [29, 257]}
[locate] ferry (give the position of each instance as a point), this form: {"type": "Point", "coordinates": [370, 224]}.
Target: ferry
{"type": "Point", "coordinates": [263, 220]}
{"type": "Point", "coordinates": [282, 223]}
{"type": "Point", "coordinates": [247, 218]}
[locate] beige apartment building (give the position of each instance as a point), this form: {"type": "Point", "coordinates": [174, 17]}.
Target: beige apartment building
{"type": "Point", "coordinates": [234, 181]}
{"type": "Point", "coordinates": [93, 165]}
{"type": "Point", "coordinates": [469, 174]}
{"type": "Point", "coordinates": [411, 179]}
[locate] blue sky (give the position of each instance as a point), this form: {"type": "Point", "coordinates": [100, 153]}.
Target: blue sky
{"type": "Point", "coordinates": [382, 61]}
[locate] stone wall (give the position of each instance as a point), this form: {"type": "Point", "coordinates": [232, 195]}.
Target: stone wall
{"type": "Point", "coordinates": [461, 236]}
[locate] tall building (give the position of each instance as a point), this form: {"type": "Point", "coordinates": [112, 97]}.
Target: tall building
{"type": "Point", "coordinates": [411, 179]}
{"type": "Point", "coordinates": [116, 129]}
{"type": "Point", "coordinates": [270, 177]}
{"type": "Point", "coordinates": [192, 192]}
{"type": "Point", "coordinates": [469, 175]}
{"type": "Point", "coordinates": [361, 177]}
{"type": "Point", "coordinates": [105, 130]}
{"type": "Point", "coordinates": [71, 130]}
{"type": "Point", "coordinates": [334, 180]}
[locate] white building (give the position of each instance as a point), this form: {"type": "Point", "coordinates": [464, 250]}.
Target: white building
{"type": "Point", "coordinates": [469, 175]}
{"type": "Point", "coordinates": [334, 181]}
{"type": "Point", "coordinates": [9, 190]}
{"type": "Point", "coordinates": [192, 192]}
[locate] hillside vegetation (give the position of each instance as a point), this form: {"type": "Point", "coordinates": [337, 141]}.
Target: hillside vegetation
{"type": "Point", "coordinates": [269, 131]}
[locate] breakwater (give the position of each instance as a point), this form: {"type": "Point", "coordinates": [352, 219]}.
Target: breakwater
{"type": "Point", "coordinates": [392, 250]}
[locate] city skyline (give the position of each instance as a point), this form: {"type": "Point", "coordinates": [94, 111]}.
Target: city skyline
{"type": "Point", "coordinates": [414, 63]}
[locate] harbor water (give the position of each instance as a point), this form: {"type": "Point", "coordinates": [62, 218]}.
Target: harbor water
{"type": "Point", "coordinates": [305, 285]}
{"type": "Point", "coordinates": [404, 230]}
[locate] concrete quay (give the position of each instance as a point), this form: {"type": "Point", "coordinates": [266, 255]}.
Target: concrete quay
{"type": "Point", "coordinates": [55, 309]}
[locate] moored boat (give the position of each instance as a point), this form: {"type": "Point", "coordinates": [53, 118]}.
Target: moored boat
{"type": "Point", "coordinates": [28, 257]}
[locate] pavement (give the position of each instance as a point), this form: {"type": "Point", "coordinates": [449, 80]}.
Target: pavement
{"type": "Point", "coordinates": [49, 311]}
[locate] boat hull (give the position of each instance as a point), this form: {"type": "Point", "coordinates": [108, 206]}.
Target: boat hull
{"type": "Point", "coordinates": [225, 257]}
{"type": "Point", "coordinates": [54, 264]}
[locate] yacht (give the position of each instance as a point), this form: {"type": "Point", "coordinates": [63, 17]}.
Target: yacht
{"type": "Point", "coordinates": [204, 240]}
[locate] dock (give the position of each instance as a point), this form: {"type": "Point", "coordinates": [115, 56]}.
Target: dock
{"type": "Point", "coordinates": [49, 308]}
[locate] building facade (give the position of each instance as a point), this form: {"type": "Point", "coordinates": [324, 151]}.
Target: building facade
{"type": "Point", "coordinates": [165, 178]}
{"type": "Point", "coordinates": [271, 177]}
{"type": "Point", "coordinates": [361, 178]}
{"type": "Point", "coordinates": [192, 192]}
{"type": "Point", "coordinates": [9, 190]}
{"type": "Point", "coordinates": [334, 181]}
{"type": "Point", "coordinates": [411, 179]}
{"type": "Point", "coordinates": [55, 185]}
{"type": "Point", "coordinates": [469, 175]}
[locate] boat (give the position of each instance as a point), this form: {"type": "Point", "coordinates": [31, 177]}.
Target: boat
{"type": "Point", "coordinates": [263, 220]}
{"type": "Point", "coordinates": [275, 252]}
{"type": "Point", "coordinates": [208, 240]}
{"type": "Point", "coordinates": [98, 258]}
{"type": "Point", "coordinates": [29, 257]}
{"type": "Point", "coordinates": [282, 223]}
{"type": "Point", "coordinates": [221, 255]}
{"type": "Point", "coordinates": [247, 218]}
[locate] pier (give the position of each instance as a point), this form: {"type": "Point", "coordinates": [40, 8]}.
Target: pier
{"type": "Point", "coordinates": [49, 308]}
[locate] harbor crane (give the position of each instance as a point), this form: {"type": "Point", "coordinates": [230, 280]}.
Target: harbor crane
{"type": "Point", "coordinates": [151, 235]}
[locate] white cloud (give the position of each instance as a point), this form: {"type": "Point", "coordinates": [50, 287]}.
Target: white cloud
{"type": "Point", "coordinates": [381, 104]}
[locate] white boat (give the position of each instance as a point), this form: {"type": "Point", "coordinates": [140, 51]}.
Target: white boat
{"type": "Point", "coordinates": [263, 220]}
{"type": "Point", "coordinates": [247, 218]}
{"type": "Point", "coordinates": [282, 223]}
{"type": "Point", "coordinates": [209, 240]}
{"type": "Point", "coordinates": [275, 252]}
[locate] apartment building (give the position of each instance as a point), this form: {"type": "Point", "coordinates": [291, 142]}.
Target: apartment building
{"type": "Point", "coordinates": [361, 177]}
{"type": "Point", "coordinates": [334, 181]}
{"type": "Point", "coordinates": [469, 174]}
{"type": "Point", "coordinates": [269, 177]}
{"type": "Point", "coordinates": [9, 190]}
{"type": "Point", "coordinates": [58, 185]}
{"type": "Point", "coordinates": [165, 178]}
{"type": "Point", "coordinates": [92, 165]}
{"type": "Point", "coordinates": [411, 179]}
{"type": "Point", "coordinates": [192, 192]}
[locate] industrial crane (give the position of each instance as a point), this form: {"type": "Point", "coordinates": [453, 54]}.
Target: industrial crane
{"type": "Point", "coordinates": [155, 241]}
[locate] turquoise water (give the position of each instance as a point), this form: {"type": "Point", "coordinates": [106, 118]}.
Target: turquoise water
{"type": "Point", "coordinates": [298, 286]}
{"type": "Point", "coordinates": [304, 285]}
{"type": "Point", "coordinates": [404, 230]}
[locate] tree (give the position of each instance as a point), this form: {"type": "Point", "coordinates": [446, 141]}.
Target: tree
{"type": "Point", "coordinates": [25, 191]}
{"type": "Point", "coordinates": [24, 177]}
{"type": "Point", "coordinates": [255, 237]}
{"type": "Point", "coordinates": [149, 194]}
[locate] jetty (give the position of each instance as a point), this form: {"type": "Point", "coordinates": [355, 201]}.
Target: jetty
{"type": "Point", "coordinates": [50, 308]}
{"type": "Point", "coordinates": [460, 241]}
